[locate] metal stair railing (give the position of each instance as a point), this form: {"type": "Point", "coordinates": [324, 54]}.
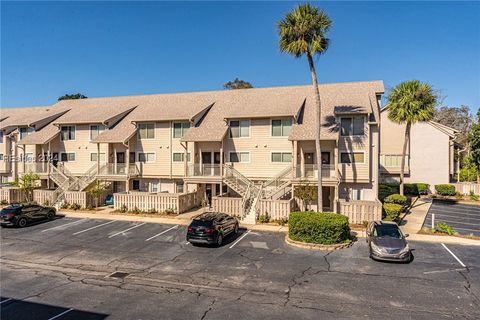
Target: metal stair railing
{"type": "Point", "coordinates": [237, 181]}
{"type": "Point", "coordinates": [278, 182]}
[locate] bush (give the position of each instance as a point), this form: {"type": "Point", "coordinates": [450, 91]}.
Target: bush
{"type": "Point", "coordinates": [384, 190]}
{"type": "Point", "coordinates": [123, 208]}
{"type": "Point", "coordinates": [170, 211]}
{"type": "Point", "coordinates": [445, 228]}
{"type": "Point", "coordinates": [282, 221]}
{"type": "Point", "coordinates": [263, 218]}
{"type": "Point", "coordinates": [65, 205]}
{"type": "Point", "coordinates": [3, 202]}
{"type": "Point", "coordinates": [75, 206]}
{"type": "Point", "coordinates": [468, 173]}
{"type": "Point", "coordinates": [392, 211]}
{"type": "Point", "coordinates": [445, 189]}
{"type": "Point", "coordinates": [152, 210]}
{"type": "Point", "coordinates": [416, 189]}
{"type": "Point", "coordinates": [322, 228]}
{"type": "Point", "coordinates": [397, 199]}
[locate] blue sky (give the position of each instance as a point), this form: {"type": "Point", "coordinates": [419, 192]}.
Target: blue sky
{"type": "Point", "coordinates": [127, 48]}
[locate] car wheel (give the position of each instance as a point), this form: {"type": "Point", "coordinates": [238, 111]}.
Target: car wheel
{"type": "Point", "coordinates": [22, 222]}
{"type": "Point", "coordinates": [235, 231]}
{"type": "Point", "coordinates": [219, 240]}
{"type": "Point", "coordinates": [50, 215]}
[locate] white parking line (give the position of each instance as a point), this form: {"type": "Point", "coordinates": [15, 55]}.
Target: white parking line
{"type": "Point", "coordinates": [60, 314]}
{"type": "Point", "coordinates": [135, 226]}
{"type": "Point", "coordinates": [159, 234]}
{"type": "Point", "coordinates": [6, 300]}
{"type": "Point", "coordinates": [238, 240]}
{"type": "Point", "coordinates": [456, 258]}
{"type": "Point", "coordinates": [94, 227]}
{"type": "Point", "coordinates": [64, 225]}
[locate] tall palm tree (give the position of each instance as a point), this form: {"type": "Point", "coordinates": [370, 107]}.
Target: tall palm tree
{"type": "Point", "coordinates": [410, 102]}
{"type": "Point", "coordinates": [303, 32]}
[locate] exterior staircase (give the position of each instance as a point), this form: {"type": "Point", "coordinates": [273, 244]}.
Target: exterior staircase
{"type": "Point", "coordinates": [279, 186]}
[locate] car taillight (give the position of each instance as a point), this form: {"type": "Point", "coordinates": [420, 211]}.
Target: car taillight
{"type": "Point", "coordinates": [190, 229]}
{"type": "Point", "coordinates": [210, 230]}
{"type": "Point", "coordinates": [10, 215]}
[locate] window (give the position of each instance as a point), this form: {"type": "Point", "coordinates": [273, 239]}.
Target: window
{"type": "Point", "coordinates": [240, 129]}
{"type": "Point", "coordinates": [67, 156]}
{"type": "Point", "coordinates": [132, 157]}
{"type": "Point", "coordinates": [93, 157]}
{"type": "Point", "coordinates": [1, 156]}
{"type": "Point", "coordinates": [281, 157]}
{"type": "Point", "coordinates": [1, 136]}
{"type": "Point", "coordinates": [67, 133]}
{"type": "Point", "coordinates": [352, 157]}
{"type": "Point", "coordinates": [146, 157]}
{"type": "Point", "coordinates": [146, 131]}
{"type": "Point", "coordinates": [179, 129]}
{"type": "Point", "coordinates": [179, 186]}
{"type": "Point", "coordinates": [154, 186]}
{"type": "Point", "coordinates": [352, 126]}
{"type": "Point", "coordinates": [24, 132]}
{"type": "Point", "coordinates": [136, 185]}
{"type": "Point", "coordinates": [239, 157]}
{"type": "Point", "coordinates": [178, 157]}
{"type": "Point", "coordinates": [356, 194]}
{"type": "Point", "coordinates": [281, 128]}
{"type": "Point", "coordinates": [95, 130]}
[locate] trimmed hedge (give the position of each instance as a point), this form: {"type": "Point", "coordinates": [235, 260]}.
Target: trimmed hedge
{"type": "Point", "coordinates": [384, 190]}
{"type": "Point", "coordinates": [392, 211]}
{"type": "Point", "coordinates": [416, 189]}
{"type": "Point", "coordinates": [322, 228]}
{"type": "Point", "coordinates": [445, 189]}
{"type": "Point", "coordinates": [397, 199]}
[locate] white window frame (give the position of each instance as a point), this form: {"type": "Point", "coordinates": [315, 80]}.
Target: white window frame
{"type": "Point", "coordinates": [239, 126]}
{"type": "Point", "coordinates": [351, 151]}
{"type": "Point", "coordinates": [104, 154]}
{"type": "Point", "coordinates": [183, 131]}
{"type": "Point", "coordinates": [179, 183]}
{"type": "Point", "coordinates": [189, 157]}
{"type": "Point", "coordinates": [146, 123]}
{"type": "Point", "coordinates": [74, 129]}
{"type": "Point", "coordinates": [281, 119]}
{"type": "Point", "coordinates": [99, 131]}
{"type": "Point", "coordinates": [146, 161]}
{"type": "Point", "coordinates": [383, 162]}
{"type": "Point", "coordinates": [351, 126]}
{"type": "Point", "coordinates": [150, 185]}
{"type": "Point", "coordinates": [249, 156]}
{"type": "Point", "coordinates": [67, 156]}
{"type": "Point", "coordinates": [359, 192]}
{"type": "Point", "coordinates": [281, 155]}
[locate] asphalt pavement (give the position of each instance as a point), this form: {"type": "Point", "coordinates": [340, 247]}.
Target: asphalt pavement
{"type": "Point", "coordinates": [464, 218]}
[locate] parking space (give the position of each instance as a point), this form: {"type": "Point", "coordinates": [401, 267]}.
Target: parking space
{"type": "Point", "coordinates": [464, 218]}
{"type": "Point", "coordinates": [76, 263]}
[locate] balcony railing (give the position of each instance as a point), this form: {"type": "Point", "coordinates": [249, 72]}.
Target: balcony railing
{"type": "Point", "coordinates": [119, 169]}
{"type": "Point", "coordinates": [310, 171]}
{"type": "Point", "coordinates": [36, 167]}
{"type": "Point", "coordinates": [203, 170]}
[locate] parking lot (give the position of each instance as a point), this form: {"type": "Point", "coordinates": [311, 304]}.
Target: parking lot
{"type": "Point", "coordinates": [464, 218]}
{"type": "Point", "coordinates": [96, 269]}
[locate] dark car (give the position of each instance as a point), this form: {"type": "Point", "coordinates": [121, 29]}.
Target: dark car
{"type": "Point", "coordinates": [20, 215]}
{"type": "Point", "coordinates": [211, 228]}
{"type": "Point", "coordinates": [387, 242]}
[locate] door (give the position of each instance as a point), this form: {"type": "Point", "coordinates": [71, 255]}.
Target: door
{"type": "Point", "coordinates": [326, 198]}
{"type": "Point", "coordinates": [55, 159]}
{"type": "Point", "coordinates": [208, 194]}
{"type": "Point", "coordinates": [206, 163]}
{"type": "Point", "coordinates": [326, 157]}
{"type": "Point", "coordinates": [309, 164]}
{"type": "Point", "coordinates": [216, 162]}
{"type": "Point", "coordinates": [120, 163]}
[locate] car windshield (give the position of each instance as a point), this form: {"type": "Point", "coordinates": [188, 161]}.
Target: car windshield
{"type": "Point", "coordinates": [387, 230]}
{"type": "Point", "coordinates": [201, 223]}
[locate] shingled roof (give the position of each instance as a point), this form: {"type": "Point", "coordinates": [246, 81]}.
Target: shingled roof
{"type": "Point", "coordinates": [28, 116]}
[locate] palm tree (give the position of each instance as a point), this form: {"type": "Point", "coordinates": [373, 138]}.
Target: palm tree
{"type": "Point", "coordinates": [410, 102]}
{"type": "Point", "coordinates": [303, 32]}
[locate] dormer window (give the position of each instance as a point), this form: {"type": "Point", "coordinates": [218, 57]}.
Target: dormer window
{"type": "Point", "coordinates": [352, 126]}
{"type": "Point", "coordinates": [24, 132]}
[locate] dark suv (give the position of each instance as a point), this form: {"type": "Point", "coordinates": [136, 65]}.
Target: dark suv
{"type": "Point", "coordinates": [211, 228]}
{"type": "Point", "coordinates": [20, 215]}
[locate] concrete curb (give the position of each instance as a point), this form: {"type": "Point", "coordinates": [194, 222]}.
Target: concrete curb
{"type": "Point", "coordinates": [316, 246]}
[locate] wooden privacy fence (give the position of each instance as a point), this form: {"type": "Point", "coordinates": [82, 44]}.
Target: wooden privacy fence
{"type": "Point", "coordinates": [467, 187]}
{"type": "Point", "coordinates": [360, 211]}
{"type": "Point", "coordinates": [43, 196]}
{"type": "Point", "coordinates": [160, 202]}
{"type": "Point", "coordinates": [11, 195]}
{"type": "Point", "coordinates": [228, 205]}
{"type": "Point", "coordinates": [277, 209]}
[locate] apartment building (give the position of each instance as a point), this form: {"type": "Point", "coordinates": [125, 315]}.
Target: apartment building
{"type": "Point", "coordinates": [430, 152]}
{"type": "Point", "coordinates": [253, 145]}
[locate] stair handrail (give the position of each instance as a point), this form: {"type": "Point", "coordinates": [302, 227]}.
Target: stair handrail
{"type": "Point", "coordinates": [231, 171]}
{"type": "Point", "coordinates": [279, 177]}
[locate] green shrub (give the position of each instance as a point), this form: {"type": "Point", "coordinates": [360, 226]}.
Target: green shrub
{"type": "Point", "coordinates": [397, 199]}
{"type": "Point", "coordinates": [416, 189]}
{"type": "Point", "coordinates": [392, 211]}
{"type": "Point", "coordinates": [3, 202]}
{"type": "Point", "coordinates": [170, 211]}
{"type": "Point", "coordinates": [384, 190]}
{"type": "Point", "coordinates": [444, 228]}
{"type": "Point", "coordinates": [468, 173]}
{"type": "Point", "coordinates": [135, 210]}
{"type": "Point", "coordinates": [75, 206]}
{"type": "Point", "coordinates": [65, 205]}
{"type": "Point", "coordinates": [263, 218]}
{"type": "Point", "coordinates": [282, 221]}
{"type": "Point", "coordinates": [314, 227]}
{"type": "Point", "coordinates": [474, 197]}
{"type": "Point", "coordinates": [152, 210]}
{"type": "Point", "coordinates": [123, 208]}
{"type": "Point", "coordinates": [445, 189]}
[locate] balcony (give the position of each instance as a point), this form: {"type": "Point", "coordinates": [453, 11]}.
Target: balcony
{"type": "Point", "coordinates": [204, 170]}
{"type": "Point", "coordinates": [310, 172]}
{"type": "Point", "coordinates": [39, 168]}
{"type": "Point", "coordinates": [118, 170]}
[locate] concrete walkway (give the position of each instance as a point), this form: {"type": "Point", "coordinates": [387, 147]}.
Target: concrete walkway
{"type": "Point", "coordinates": [412, 221]}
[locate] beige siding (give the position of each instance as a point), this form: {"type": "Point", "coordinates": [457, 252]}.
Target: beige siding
{"type": "Point", "coordinates": [260, 145]}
